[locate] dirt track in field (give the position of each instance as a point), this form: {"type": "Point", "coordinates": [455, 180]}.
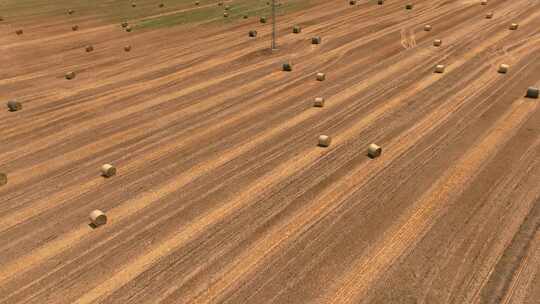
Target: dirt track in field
{"type": "Point", "coordinates": [222, 194]}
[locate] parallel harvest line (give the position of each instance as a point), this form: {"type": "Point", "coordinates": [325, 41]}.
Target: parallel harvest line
{"type": "Point", "coordinates": [145, 261]}
{"type": "Point", "coordinates": [247, 261]}
{"type": "Point", "coordinates": [416, 221]}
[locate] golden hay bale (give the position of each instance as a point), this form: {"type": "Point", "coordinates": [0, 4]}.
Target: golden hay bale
{"type": "Point", "coordinates": [127, 48]}
{"type": "Point", "coordinates": [318, 102]}
{"type": "Point", "coordinates": [503, 68]}
{"type": "Point", "coordinates": [321, 76]}
{"type": "Point", "coordinates": [252, 33]}
{"type": "Point", "coordinates": [19, 32]}
{"type": "Point", "coordinates": [296, 29]}
{"type": "Point", "coordinates": [287, 67]}
{"type": "Point", "coordinates": [324, 140]}
{"type": "Point", "coordinates": [374, 151]}
{"type": "Point", "coordinates": [98, 218]}
{"type": "Point", "coordinates": [129, 29]}
{"type": "Point", "coordinates": [514, 26]}
{"type": "Point", "coordinates": [489, 15]}
{"type": "Point", "coordinates": [262, 19]}
{"type": "Point", "coordinates": [70, 75]}
{"type": "Point", "coordinates": [133, 4]}
{"type": "Point", "coordinates": [197, 2]}
{"type": "Point", "coordinates": [409, 6]}
{"type": "Point", "coordinates": [3, 179]}
{"type": "Point", "coordinates": [437, 42]}
{"type": "Point", "coordinates": [316, 40]}
{"type": "Point", "coordinates": [225, 14]}
{"type": "Point", "coordinates": [89, 49]}
{"type": "Point", "coordinates": [14, 106]}
{"type": "Point", "coordinates": [124, 24]}
{"type": "Point", "coordinates": [75, 27]}
{"type": "Point", "coordinates": [108, 170]}
{"type": "Point", "coordinates": [352, 2]}
{"type": "Point", "coordinates": [380, 2]}
{"type": "Point", "coordinates": [161, 5]}
{"type": "Point", "coordinates": [439, 68]}
{"type": "Point", "coordinates": [245, 16]}
{"type": "Point", "coordinates": [70, 12]}
{"type": "Point", "coordinates": [533, 92]}
{"type": "Point", "coordinates": [484, 2]}
{"type": "Point", "coordinates": [427, 27]}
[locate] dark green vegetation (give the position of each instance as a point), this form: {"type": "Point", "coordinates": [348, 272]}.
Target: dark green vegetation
{"type": "Point", "coordinates": [147, 13]}
{"type": "Point", "coordinates": [214, 13]}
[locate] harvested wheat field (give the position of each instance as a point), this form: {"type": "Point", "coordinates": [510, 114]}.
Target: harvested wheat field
{"type": "Point", "coordinates": [221, 192]}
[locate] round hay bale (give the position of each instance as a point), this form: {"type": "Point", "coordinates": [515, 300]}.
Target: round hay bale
{"type": "Point", "coordinates": [437, 42]}
{"type": "Point", "coordinates": [439, 68]}
{"type": "Point", "coordinates": [252, 33]}
{"type": "Point", "coordinates": [296, 29]}
{"type": "Point", "coordinates": [125, 24]}
{"type": "Point", "coordinates": [427, 27]}
{"type": "Point", "coordinates": [14, 106]}
{"type": "Point", "coordinates": [287, 67]}
{"type": "Point", "coordinates": [489, 15]}
{"type": "Point", "coordinates": [225, 14]}
{"type": "Point", "coordinates": [197, 2]}
{"type": "Point", "coordinates": [352, 2]}
{"type": "Point", "coordinates": [380, 2]}
{"type": "Point", "coordinates": [533, 92]}
{"type": "Point", "coordinates": [262, 19]}
{"type": "Point", "coordinates": [1, 18]}
{"type": "Point", "coordinates": [70, 12]}
{"type": "Point", "coordinates": [70, 75]}
{"type": "Point", "coordinates": [75, 27]}
{"type": "Point", "coordinates": [161, 5]}
{"type": "Point", "coordinates": [127, 48]}
{"type": "Point", "coordinates": [129, 29]}
{"type": "Point", "coordinates": [19, 32]}
{"type": "Point", "coordinates": [503, 68]}
{"type": "Point", "coordinates": [98, 218]}
{"type": "Point", "coordinates": [321, 76]}
{"type": "Point", "coordinates": [220, 3]}
{"type": "Point", "coordinates": [324, 141]}
{"type": "Point", "coordinates": [513, 26]}
{"type": "Point", "coordinates": [108, 170]}
{"type": "Point", "coordinates": [89, 49]}
{"type": "Point", "coordinates": [245, 16]}
{"type": "Point", "coordinates": [3, 179]}
{"type": "Point", "coordinates": [133, 4]}
{"type": "Point", "coordinates": [318, 102]}
{"type": "Point", "coordinates": [316, 40]}
{"type": "Point", "coordinates": [374, 151]}
{"type": "Point", "coordinates": [483, 2]}
{"type": "Point", "coordinates": [227, 7]}
{"type": "Point", "coordinates": [409, 6]}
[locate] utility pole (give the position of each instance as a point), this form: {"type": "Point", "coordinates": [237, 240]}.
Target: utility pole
{"type": "Point", "coordinates": [274, 46]}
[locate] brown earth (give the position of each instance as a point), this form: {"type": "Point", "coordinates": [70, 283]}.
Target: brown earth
{"type": "Point", "coordinates": [222, 194]}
